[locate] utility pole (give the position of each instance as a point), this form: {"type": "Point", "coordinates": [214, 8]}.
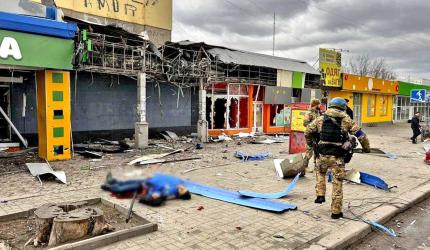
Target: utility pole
{"type": "Point", "coordinates": [274, 32]}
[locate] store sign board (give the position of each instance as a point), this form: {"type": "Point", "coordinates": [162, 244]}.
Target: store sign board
{"type": "Point", "coordinates": [330, 67]}
{"type": "Point", "coordinates": [418, 96]}
{"type": "Point", "coordinates": [22, 49]}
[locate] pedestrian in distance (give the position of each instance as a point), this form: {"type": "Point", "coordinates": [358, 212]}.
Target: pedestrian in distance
{"type": "Point", "coordinates": [416, 127]}
{"type": "Point", "coordinates": [335, 145]}
{"type": "Point", "coordinates": [349, 111]}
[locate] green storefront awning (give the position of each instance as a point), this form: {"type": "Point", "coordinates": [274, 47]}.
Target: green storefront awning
{"type": "Point", "coordinates": [405, 88]}
{"type": "Point", "coordinates": [28, 50]}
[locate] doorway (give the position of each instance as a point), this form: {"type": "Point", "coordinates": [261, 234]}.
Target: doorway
{"type": "Point", "coordinates": [357, 108]}
{"type": "Point", "coordinates": [258, 117]}
{"type": "Point", "coordinates": [5, 130]}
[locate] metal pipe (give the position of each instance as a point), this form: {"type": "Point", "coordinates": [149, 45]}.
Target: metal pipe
{"type": "Point", "coordinates": [14, 128]}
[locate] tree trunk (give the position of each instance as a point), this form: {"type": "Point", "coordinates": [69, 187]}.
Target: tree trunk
{"type": "Point", "coordinates": [44, 218]}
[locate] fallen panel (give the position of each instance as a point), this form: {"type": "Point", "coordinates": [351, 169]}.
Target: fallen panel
{"type": "Point", "coordinates": [236, 198]}
{"type": "Point", "coordinates": [277, 195]}
{"type": "Point", "coordinates": [90, 154]}
{"type": "Point", "coordinates": [152, 157]}
{"type": "Point", "coordinates": [267, 141]}
{"type": "Point", "coordinates": [353, 176]}
{"type": "Point", "coordinates": [38, 169]}
{"type": "Point", "coordinates": [374, 181]}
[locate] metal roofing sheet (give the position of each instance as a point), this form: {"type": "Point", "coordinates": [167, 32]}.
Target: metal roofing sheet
{"type": "Point", "coordinates": [261, 60]}
{"type": "Point", "coordinates": [37, 25]}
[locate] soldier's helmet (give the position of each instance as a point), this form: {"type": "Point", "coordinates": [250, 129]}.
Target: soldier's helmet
{"type": "Point", "coordinates": [337, 102]}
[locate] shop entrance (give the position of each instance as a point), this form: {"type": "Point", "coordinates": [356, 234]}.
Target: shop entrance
{"type": "Point", "coordinates": [5, 130]}
{"type": "Point", "coordinates": [258, 117]}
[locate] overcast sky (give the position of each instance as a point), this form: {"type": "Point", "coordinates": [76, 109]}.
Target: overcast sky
{"type": "Point", "coordinates": [397, 30]}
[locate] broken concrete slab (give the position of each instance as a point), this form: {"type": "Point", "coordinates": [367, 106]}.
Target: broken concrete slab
{"type": "Point", "coordinates": [38, 169]}
{"type": "Point", "coordinates": [289, 167]}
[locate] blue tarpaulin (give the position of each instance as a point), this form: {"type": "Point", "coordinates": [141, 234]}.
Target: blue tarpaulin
{"type": "Point", "coordinates": [277, 195]}
{"type": "Point", "coordinates": [374, 181]}
{"type": "Point", "coordinates": [236, 198]}
{"type": "Point", "coordinates": [252, 157]}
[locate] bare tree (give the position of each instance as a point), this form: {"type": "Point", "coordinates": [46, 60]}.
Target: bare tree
{"type": "Point", "coordinates": [364, 66]}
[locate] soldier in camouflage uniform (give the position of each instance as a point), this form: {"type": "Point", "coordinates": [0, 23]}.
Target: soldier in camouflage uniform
{"type": "Point", "coordinates": [333, 131]}
{"type": "Point", "coordinates": [313, 113]}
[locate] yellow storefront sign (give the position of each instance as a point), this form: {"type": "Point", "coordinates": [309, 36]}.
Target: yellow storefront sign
{"type": "Point", "coordinates": [330, 67]}
{"type": "Point", "coordinates": [297, 118]}
{"type": "Point", "coordinates": [156, 13]}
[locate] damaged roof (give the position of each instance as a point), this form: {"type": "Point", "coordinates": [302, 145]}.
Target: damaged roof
{"type": "Point", "coordinates": [228, 56]}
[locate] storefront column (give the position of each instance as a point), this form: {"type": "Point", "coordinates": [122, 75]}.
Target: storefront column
{"type": "Point", "coordinates": [141, 127]}
{"type": "Point", "coordinates": [202, 124]}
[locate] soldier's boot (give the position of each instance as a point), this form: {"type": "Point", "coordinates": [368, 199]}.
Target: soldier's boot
{"type": "Point", "coordinates": [337, 216]}
{"type": "Point", "coordinates": [320, 199]}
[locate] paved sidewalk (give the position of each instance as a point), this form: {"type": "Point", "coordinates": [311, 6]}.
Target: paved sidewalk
{"type": "Point", "coordinates": [222, 225]}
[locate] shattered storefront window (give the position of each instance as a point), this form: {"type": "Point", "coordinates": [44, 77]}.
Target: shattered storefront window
{"type": "Point", "coordinates": [234, 113]}
{"type": "Point", "coordinates": [243, 118]}
{"type": "Point", "coordinates": [219, 113]}
{"type": "Point", "coordinates": [280, 115]}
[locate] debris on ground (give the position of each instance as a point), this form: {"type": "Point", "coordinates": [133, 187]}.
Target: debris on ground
{"type": "Point", "coordinates": [377, 152]}
{"type": "Point", "coordinates": [204, 167]}
{"type": "Point", "coordinates": [277, 195]}
{"type": "Point", "coordinates": [170, 136]}
{"type": "Point", "coordinates": [236, 198]}
{"type": "Point", "coordinates": [244, 135]}
{"type": "Point", "coordinates": [90, 154]}
{"type": "Point", "coordinates": [153, 156]}
{"type": "Point", "coordinates": [252, 157]}
{"type": "Point", "coordinates": [267, 141]}
{"type": "Point", "coordinates": [161, 161]}
{"type": "Point", "coordinates": [221, 138]}
{"type": "Point", "coordinates": [39, 169]}
{"type": "Point", "coordinates": [239, 228]}
{"type": "Point", "coordinates": [353, 176]}
{"type": "Point", "coordinates": [289, 167]}
{"type": "Point", "coordinates": [23, 152]}
{"type": "Point", "coordinates": [200, 208]}
{"type": "Point", "coordinates": [365, 178]}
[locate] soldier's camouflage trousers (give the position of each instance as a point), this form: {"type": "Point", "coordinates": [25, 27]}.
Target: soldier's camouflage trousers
{"type": "Point", "coordinates": [337, 165]}
{"type": "Point", "coordinates": [308, 156]}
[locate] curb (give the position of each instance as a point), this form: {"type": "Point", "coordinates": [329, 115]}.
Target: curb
{"type": "Point", "coordinates": [354, 231]}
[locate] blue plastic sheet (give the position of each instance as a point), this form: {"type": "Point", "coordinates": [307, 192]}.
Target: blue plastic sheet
{"type": "Point", "coordinates": [374, 181]}
{"type": "Point", "coordinates": [378, 226]}
{"type": "Point", "coordinates": [250, 157]}
{"type": "Point", "coordinates": [277, 195]}
{"type": "Point", "coordinates": [236, 198]}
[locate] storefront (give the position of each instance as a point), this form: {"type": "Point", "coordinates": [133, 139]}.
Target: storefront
{"type": "Point", "coordinates": [34, 56]}
{"type": "Point", "coordinates": [371, 99]}
{"type": "Point", "coordinates": [403, 108]}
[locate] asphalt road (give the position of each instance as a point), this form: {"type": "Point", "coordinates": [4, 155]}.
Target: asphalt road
{"type": "Point", "coordinates": [412, 228]}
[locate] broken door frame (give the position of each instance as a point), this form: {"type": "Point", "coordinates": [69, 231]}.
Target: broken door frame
{"type": "Point", "coordinates": [8, 110]}
{"type": "Point", "coordinates": [254, 105]}
{"type": "Point", "coordinates": [228, 97]}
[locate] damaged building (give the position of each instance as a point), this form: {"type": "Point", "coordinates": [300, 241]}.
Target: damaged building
{"type": "Point", "coordinates": [121, 84]}
{"type": "Point", "coordinates": [251, 92]}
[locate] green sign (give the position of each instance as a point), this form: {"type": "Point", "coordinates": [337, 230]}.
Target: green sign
{"type": "Point", "coordinates": [29, 50]}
